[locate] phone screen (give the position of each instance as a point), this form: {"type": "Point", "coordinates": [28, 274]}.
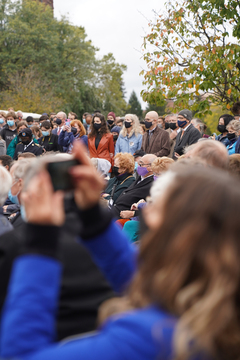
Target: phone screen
{"type": "Point", "coordinates": [59, 172]}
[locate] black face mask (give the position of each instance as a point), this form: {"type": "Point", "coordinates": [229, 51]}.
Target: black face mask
{"type": "Point", "coordinates": [73, 130]}
{"type": "Point", "coordinates": [25, 141]}
{"type": "Point", "coordinates": [172, 126]}
{"type": "Point", "coordinates": [115, 137]}
{"type": "Point", "coordinates": [167, 125]}
{"type": "Point", "coordinates": [231, 136]}
{"type": "Point", "coordinates": [148, 124]}
{"type": "Point", "coordinates": [115, 170]}
{"type": "Point", "coordinates": [127, 124]}
{"type": "Point", "coordinates": [110, 122]}
{"type": "Point", "coordinates": [221, 128]}
{"type": "Point", "coordinates": [97, 126]}
{"type": "Point", "coordinates": [58, 121]}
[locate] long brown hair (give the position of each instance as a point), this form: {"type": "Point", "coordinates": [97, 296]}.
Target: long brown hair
{"type": "Point", "coordinates": [104, 128]}
{"type": "Point", "coordinates": [190, 264]}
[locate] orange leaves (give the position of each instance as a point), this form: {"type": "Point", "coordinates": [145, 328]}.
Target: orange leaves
{"type": "Point", "coordinates": [214, 51]}
{"type": "Point", "coordinates": [217, 60]}
{"type": "Point", "coordinates": [228, 106]}
{"type": "Point", "coordinates": [232, 52]}
{"type": "Point", "coordinates": [230, 66]}
{"type": "Point", "coordinates": [229, 91]}
{"type": "Point", "coordinates": [190, 86]}
{"type": "Point", "coordinates": [201, 67]}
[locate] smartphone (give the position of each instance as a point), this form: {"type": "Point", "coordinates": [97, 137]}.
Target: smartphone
{"type": "Point", "coordinates": [60, 176]}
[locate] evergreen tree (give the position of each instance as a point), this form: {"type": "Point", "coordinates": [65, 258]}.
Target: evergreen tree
{"type": "Point", "coordinates": [134, 106]}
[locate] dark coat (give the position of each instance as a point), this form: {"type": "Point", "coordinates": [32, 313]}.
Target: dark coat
{"type": "Point", "coordinates": [159, 143]}
{"type": "Point", "coordinates": [135, 192]}
{"type": "Point", "coordinates": [50, 143]}
{"type": "Point", "coordinates": [8, 135]}
{"type": "Point", "coordinates": [190, 136]}
{"type": "Point", "coordinates": [83, 286]}
{"type": "Point", "coordinates": [121, 182]}
{"type": "Point", "coordinates": [36, 149]}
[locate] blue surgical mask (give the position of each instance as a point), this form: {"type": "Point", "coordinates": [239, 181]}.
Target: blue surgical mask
{"type": "Point", "coordinates": [23, 213]}
{"type": "Point", "coordinates": [29, 126]}
{"type": "Point", "coordinates": [1, 121]}
{"type": "Point", "coordinates": [13, 198]}
{"type": "Point", "coordinates": [45, 133]}
{"type": "Point", "coordinates": [136, 165]}
{"type": "Point", "coordinates": [10, 122]}
{"type": "Point", "coordinates": [84, 121]}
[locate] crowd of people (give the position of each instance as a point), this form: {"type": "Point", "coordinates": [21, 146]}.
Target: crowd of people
{"type": "Point", "coordinates": [132, 252]}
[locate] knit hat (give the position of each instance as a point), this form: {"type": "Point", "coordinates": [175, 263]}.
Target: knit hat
{"type": "Point", "coordinates": [186, 113]}
{"type": "Point", "coordinates": [116, 129]}
{"type": "Point", "coordinates": [112, 114]}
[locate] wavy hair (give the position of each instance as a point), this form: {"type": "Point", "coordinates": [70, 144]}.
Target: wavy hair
{"type": "Point", "coordinates": [104, 129]}
{"type": "Point", "coordinates": [126, 161]}
{"type": "Point", "coordinates": [191, 268]}
{"type": "Point", "coordinates": [136, 128]}
{"type": "Point", "coordinates": [81, 126]}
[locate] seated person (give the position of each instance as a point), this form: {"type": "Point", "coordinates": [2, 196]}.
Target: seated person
{"type": "Point", "coordinates": [138, 190]}
{"type": "Point", "coordinates": [123, 170]}
{"type": "Point", "coordinates": [233, 129]}
{"type": "Point", "coordinates": [48, 141]}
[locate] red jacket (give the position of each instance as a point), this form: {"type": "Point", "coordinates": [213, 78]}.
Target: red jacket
{"type": "Point", "coordinates": [105, 148]}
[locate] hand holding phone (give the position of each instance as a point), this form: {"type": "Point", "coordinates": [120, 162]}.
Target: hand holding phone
{"type": "Point", "coordinates": [60, 175]}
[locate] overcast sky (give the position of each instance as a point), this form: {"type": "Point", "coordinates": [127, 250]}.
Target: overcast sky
{"type": "Point", "coordinates": [116, 26]}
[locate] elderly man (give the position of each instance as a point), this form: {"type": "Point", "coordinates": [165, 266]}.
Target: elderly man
{"type": "Point", "coordinates": [173, 130]}
{"type": "Point", "coordinates": [138, 190]}
{"type": "Point", "coordinates": [6, 182]}
{"type": "Point", "coordinates": [155, 140]}
{"type": "Point", "coordinates": [188, 134]}
{"type": "Point", "coordinates": [61, 121]}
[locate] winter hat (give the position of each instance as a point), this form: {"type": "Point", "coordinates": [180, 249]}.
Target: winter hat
{"type": "Point", "coordinates": [116, 129]}
{"type": "Point", "coordinates": [112, 114]}
{"type": "Point", "coordinates": [186, 113]}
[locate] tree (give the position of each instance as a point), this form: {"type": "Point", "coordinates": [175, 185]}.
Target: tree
{"type": "Point", "coordinates": [190, 51]}
{"type": "Point", "coordinates": [134, 106]}
{"type": "Point", "coordinates": [161, 110]}
{"type": "Point", "coordinates": [59, 53]}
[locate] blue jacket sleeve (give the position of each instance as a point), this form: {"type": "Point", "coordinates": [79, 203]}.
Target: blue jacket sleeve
{"type": "Point", "coordinates": [114, 255]}
{"type": "Point", "coordinates": [32, 301]}
{"type": "Point", "coordinates": [117, 146]}
{"type": "Point", "coordinates": [63, 139]}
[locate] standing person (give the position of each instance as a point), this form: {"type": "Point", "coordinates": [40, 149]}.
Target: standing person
{"type": "Point", "coordinates": [12, 146]}
{"type": "Point", "coordinates": [6, 183]}
{"type": "Point", "coordinates": [224, 120]}
{"type": "Point", "coordinates": [2, 120]}
{"type": "Point", "coordinates": [48, 141]}
{"type": "Point", "coordinates": [188, 135]}
{"type": "Point", "coordinates": [9, 132]}
{"type": "Point", "coordinates": [155, 140]}
{"type": "Point", "coordinates": [29, 120]}
{"type": "Point", "coordinates": [87, 122]}
{"type": "Point", "coordinates": [173, 130]}
{"type": "Point", "coordinates": [27, 144]}
{"type": "Point", "coordinates": [111, 120]}
{"type": "Point", "coordinates": [100, 141]}
{"type": "Point", "coordinates": [115, 131]}
{"type": "Point", "coordinates": [130, 138]}
{"type": "Point", "coordinates": [60, 121]}
{"type": "Point", "coordinates": [69, 134]}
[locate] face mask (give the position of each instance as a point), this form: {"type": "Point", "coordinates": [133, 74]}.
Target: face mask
{"type": "Point", "coordinates": [115, 170]}
{"type": "Point", "coordinates": [155, 177]}
{"type": "Point", "coordinates": [142, 171]}
{"type": "Point", "coordinates": [136, 165]}
{"type": "Point", "coordinates": [10, 122]}
{"type": "Point", "coordinates": [84, 121]}
{"type": "Point", "coordinates": [58, 122]}
{"type": "Point", "coordinates": [127, 124]}
{"type": "Point", "coordinates": [160, 126]}
{"type": "Point", "coordinates": [221, 128]}
{"type": "Point", "coordinates": [30, 126]}
{"type": "Point", "coordinates": [97, 126]}
{"type": "Point", "coordinates": [182, 123]}
{"type": "Point", "coordinates": [45, 133]}
{"type": "Point", "coordinates": [173, 126]}
{"type": "Point", "coordinates": [23, 213]}
{"type": "Point", "coordinates": [25, 141]}
{"type": "Point", "coordinates": [167, 125]}
{"type": "Point", "coordinates": [74, 130]}
{"type": "Point", "coordinates": [13, 198]}
{"type": "Point", "coordinates": [110, 122]}
{"type": "Point", "coordinates": [148, 124]}
{"type": "Point", "coordinates": [231, 136]}
{"type": "Point", "coordinates": [1, 121]}
{"type": "Point", "coordinates": [115, 137]}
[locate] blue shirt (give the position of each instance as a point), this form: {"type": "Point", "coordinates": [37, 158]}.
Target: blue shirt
{"type": "Point", "coordinates": [127, 144]}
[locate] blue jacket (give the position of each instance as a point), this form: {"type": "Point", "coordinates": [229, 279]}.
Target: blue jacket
{"type": "Point", "coordinates": [223, 139]}
{"type": "Point", "coordinates": [129, 145]}
{"type": "Point", "coordinates": [28, 321]}
{"type": "Point", "coordinates": [66, 139]}
{"type": "Point", "coordinates": [232, 147]}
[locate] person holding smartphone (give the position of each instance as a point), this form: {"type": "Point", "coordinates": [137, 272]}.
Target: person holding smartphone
{"type": "Point", "coordinates": [70, 133]}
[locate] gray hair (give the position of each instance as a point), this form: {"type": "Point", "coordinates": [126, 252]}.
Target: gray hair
{"type": "Point", "coordinates": [6, 183]}
{"type": "Point", "coordinates": [20, 168]}
{"type": "Point", "coordinates": [200, 123]}
{"type": "Point", "coordinates": [235, 125]}
{"type": "Point", "coordinates": [63, 114]}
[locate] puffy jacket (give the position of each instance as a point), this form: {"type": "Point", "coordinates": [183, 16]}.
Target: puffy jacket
{"type": "Point", "coordinates": [128, 144]}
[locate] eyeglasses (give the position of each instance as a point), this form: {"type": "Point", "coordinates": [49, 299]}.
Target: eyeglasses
{"type": "Point", "coordinates": [141, 164]}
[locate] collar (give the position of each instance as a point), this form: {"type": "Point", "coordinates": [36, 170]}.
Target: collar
{"type": "Point", "coordinates": [142, 178]}
{"type": "Point", "coordinates": [26, 146]}
{"type": "Point", "coordinates": [151, 131]}
{"type": "Point", "coordinates": [186, 128]}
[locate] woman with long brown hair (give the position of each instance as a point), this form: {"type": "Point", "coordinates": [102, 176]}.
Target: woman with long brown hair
{"type": "Point", "coordinates": [183, 291]}
{"type": "Point", "coordinates": [100, 140]}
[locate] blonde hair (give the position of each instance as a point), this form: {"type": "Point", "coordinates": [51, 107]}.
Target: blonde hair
{"type": "Point", "coordinates": [235, 125]}
{"type": "Point", "coordinates": [161, 164]}
{"type": "Point", "coordinates": [136, 128]}
{"type": "Point", "coordinates": [126, 161]}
